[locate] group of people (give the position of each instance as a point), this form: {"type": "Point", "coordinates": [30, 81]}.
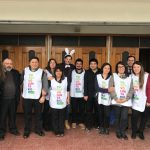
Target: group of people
{"type": "Point", "coordinates": [88, 95]}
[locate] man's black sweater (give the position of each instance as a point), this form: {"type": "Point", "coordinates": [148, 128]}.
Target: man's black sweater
{"type": "Point", "coordinates": [89, 83]}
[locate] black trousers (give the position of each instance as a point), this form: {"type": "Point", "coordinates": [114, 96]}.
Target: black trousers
{"type": "Point", "coordinates": [104, 115]}
{"type": "Point", "coordinates": [28, 105]}
{"type": "Point", "coordinates": [143, 119]}
{"type": "Point", "coordinates": [58, 120]}
{"type": "Point", "coordinates": [46, 116]}
{"type": "Point", "coordinates": [91, 108]}
{"type": "Point", "coordinates": [121, 119]}
{"type": "Point", "coordinates": [8, 109]}
{"type": "Point", "coordinates": [78, 110]}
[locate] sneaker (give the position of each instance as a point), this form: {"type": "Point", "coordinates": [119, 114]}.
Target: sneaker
{"type": "Point", "coordinates": [62, 134]}
{"type": "Point", "coordinates": [87, 130]}
{"type": "Point", "coordinates": [74, 125]}
{"type": "Point", "coordinates": [82, 126]}
{"type": "Point", "coordinates": [67, 126]}
{"type": "Point", "coordinates": [57, 135]}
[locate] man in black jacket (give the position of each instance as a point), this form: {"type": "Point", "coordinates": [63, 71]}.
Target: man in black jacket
{"type": "Point", "coordinates": [89, 94]}
{"type": "Point", "coordinates": [10, 99]}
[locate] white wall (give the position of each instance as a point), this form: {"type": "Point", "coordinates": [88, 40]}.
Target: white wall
{"type": "Point", "coordinates": [76, 10]}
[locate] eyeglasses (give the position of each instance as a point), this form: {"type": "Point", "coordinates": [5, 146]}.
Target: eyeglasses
{"type": "Point", "coordinates": [121, 67]}
{"type": "Point", "coordinates": [130, 60]}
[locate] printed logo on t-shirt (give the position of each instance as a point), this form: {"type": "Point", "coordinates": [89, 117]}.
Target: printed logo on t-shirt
{"type": "Point", "coordinates": [31, 84]}
{"type": "Point", "coordinates": [136, 89]}
{"type": "Point", "coordinates": [78, 84]}
{"type": "Point", "coordinates": [103, 95]}
{"type": "Point", "coordinates": [59, 95]}
{"type": "Point", "coordinates": [122, 90]}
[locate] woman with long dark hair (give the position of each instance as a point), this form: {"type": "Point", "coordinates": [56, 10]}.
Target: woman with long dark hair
{"type": "Point", "coordinates": [141, 99]}
{"type": "Point", "coordinates": [121, 98]}
{"type": "Point", "coordinates": [59, 98]}
{"type": "Point", "coordinates": [104, 100]}
{"type": "Point", "coordinates": [50, 71]}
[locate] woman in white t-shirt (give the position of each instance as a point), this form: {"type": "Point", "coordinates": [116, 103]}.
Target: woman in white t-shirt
{"type": "Point", "coordinates": [121, 98]}
{"type": "Point", "coordinates": [140, 101]}
{"type": "Point", "coordinates": [59, 98]}
{"type": "Point", "coordinates": [104, 99]}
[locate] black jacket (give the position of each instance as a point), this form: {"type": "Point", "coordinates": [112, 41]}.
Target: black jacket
{"type": "Point", "coordinates": [89, 83]}
{"type": "Point", "coordinates": [16, 77]}
{"type": "Point", "coordinates": [67, 70]}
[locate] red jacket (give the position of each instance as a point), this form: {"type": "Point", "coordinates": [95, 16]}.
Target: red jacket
{"type": "Point", "coordinates": [148, 89]}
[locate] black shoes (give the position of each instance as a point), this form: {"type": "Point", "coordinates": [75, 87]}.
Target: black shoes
{"type": "Point", "coordinates": [40, 133]}
{"type": "Point", "coordinates": [104, 131]}
{"type": "Point", "coordinates": [16, 132]}
{"type": "Point", "coordinates": [118, 135]}
{"type": "Point", "coordinates": [121, 136]}
{"type": "Point", "coordinates": [125, 137]}
{"type": "Point", "coordinates": [26, 135]}
{"type": "Point", "coordinates": [141, 135]}
{"type": "Point", "coordinates": [2, 137]}
{"type": "Point", "coordinates": [133, 136]}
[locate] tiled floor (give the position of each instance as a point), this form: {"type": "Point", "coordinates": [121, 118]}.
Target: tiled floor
{"type": "Point", "coordinates": [74, 139]}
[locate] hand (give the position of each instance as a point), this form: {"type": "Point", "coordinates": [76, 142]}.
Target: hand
{"type": "Point", "coordinates": [42, 99]}
{"type": "Point", "coordinates": [43, 93]}
{"type": "Point", "coordinates": [111, 89]}
{"type": "Point", "coordinates": [148, 104]}
{"type": "Point", "coordinates": [85, 98]}
{"type": "Point", "coordinates": [121, 101]}
{"type": "Point", "coordinates": [50, 78]}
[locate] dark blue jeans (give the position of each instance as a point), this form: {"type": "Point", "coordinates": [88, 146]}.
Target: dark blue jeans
{"type": "Point", "coordinates": [121, 119]}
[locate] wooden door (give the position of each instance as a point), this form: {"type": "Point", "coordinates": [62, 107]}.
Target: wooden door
{"type": "Point", "coordinates": [84, 53]}
{"type": "Point", "coordinates": [118, 54]}
{"type": "Point", "coordinates": [58, 53]}
{"type": "Point", "coordinates": [27, 52]}
{"type": "Point", "coordinates": [10, 52]}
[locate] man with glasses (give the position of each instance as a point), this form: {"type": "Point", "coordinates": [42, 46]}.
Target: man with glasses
{"type": "Point", "coordinates": [130, 61]}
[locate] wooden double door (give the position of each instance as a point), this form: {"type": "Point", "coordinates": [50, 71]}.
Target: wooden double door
{"type": "Point", "coordinates": [20, 55]}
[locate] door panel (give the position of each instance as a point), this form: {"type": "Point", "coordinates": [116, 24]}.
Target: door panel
{"type": "Point", "coordinates": [117, 54]}
{"type": "Point", "coordinates": [40, 52]}
{"type": "Point", "coordinates": [56, 53]}
{"type": "Point", "coordinates": [100, 55]}
{"type": "Point", "coordinates": [12, 54]}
